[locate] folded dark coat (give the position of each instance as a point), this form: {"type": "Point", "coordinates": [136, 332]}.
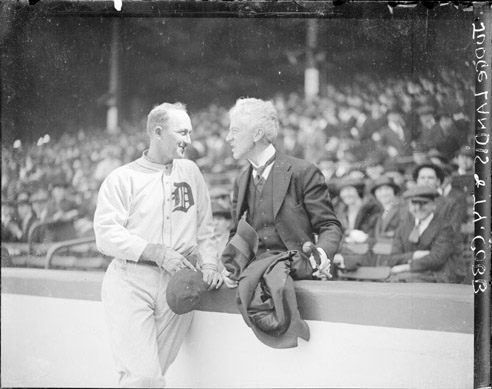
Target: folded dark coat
{"type": "Point", "coordinates": [266, 296]}
{"type": "Point", "coordinates": [267, 301]}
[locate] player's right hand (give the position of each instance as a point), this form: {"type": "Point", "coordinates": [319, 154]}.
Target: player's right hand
{"type": "Point", "coordinates": [174, 261]}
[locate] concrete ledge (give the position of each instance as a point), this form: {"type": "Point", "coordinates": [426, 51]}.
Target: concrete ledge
{"type": "Point", "coordinates": [435, 307]}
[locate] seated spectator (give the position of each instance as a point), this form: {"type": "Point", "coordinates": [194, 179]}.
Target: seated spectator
{"type": "Point", "coordinates": [39, 201]}
{"type": "Point", "coordinates": [456, 196]}
{"type": "Point", "coordinates": [288, 142]}
{"type": "Point", "coordinates": [393, 209]}
{"type": "Point", "coordinates": [40, 204]}
{"type": "Point", "coordinates": [464, 159]}
{"type": "Point", "coordinates": [427, 138]}
{"type": "Point", "coordinates": [221, 196]}
{"type": "Point", "coordinates": [395, 136]}
{"type": "Point", "coordinates": [110, 161]}
{"type": "Point", "coordinates": [358, 213]}
{"type": "Point", "coordinates": [222, 225]}
{"type": "Point", "coordinates": [448, 209]}
{"type": "Point", "coordinates": [425, 246]}
{"type": "Point", "coordinates": [27, 217]}
{"type": "Point", "coordinates": [451, 137]}
{"type": "Point", "coordinates": [11, 230]}
{"type": "Point", "coordinates": [436, 157]}
{"type": "Point", "coordinates": [61, 206]}
{"type": "Point", "coordinates": [62, 210]}
{"type": "Point", "coordinates": [462, 177]}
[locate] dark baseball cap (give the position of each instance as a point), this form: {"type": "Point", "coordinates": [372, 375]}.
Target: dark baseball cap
{"type": "Point", "coordinates": [184, 291]}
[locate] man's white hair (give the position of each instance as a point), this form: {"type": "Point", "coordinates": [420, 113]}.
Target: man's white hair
{"type": "Point", "coordinates": [262, 114]}
{"type": "Point", "coordinates": [159, 115]}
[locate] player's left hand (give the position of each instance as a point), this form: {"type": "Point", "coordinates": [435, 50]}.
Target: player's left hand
{"type": "Point", "coordinates": [212, 278]}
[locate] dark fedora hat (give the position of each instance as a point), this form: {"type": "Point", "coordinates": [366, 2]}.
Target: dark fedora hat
{"type": "Point", "coordinates": [385, 180]}
{"type": "Point", "coordinates": [184, 291]}
{"type": "Point", "coordinates": [421, 193]}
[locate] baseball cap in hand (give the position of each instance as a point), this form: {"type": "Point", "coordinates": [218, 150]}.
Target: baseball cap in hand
{"type": "Point", "coordinates": [184, 291]}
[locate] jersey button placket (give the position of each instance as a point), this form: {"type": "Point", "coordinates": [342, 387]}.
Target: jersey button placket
{"type": "Point", "coordinates": [167, 207]}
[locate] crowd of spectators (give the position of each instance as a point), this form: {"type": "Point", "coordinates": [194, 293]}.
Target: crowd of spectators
{"type": "Point", "coordinates": [364, 130]}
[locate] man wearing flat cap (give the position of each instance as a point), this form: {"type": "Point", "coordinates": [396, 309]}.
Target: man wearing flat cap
{"type": "Point", "coordinates": [425, 246]}
{"type": "Point", "coordinates": [450, 209]}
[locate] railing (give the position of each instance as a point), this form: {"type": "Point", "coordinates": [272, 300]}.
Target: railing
{"type": "Point", "coordinates": [66, 244]}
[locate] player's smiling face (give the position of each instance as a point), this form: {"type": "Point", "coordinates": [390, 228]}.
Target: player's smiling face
{"type": "Point", "coordinates": [176, 137]}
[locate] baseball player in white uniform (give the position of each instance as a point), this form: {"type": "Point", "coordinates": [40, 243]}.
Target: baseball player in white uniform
{"type": "Point", "coordinates": [151, 215]}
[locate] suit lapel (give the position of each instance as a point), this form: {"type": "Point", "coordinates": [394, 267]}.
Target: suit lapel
{"type": "Point", "coordinates": [429, 233]}
{"type": "Point", "coordinates": [243, 182]}
{"type": "Point", "coordinates": [387, 219]}
{"type": "Point", "coordinates": [281, 180]}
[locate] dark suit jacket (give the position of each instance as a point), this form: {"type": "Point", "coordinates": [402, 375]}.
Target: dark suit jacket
{"type": "Point", "coordinates": [301, 206]}
{"type": "Point", "coordinates": [386, 227]}
{"type": "Point", "coordinates": [459, 203]}
{"type": "Point", "coordinates": [366, 217]}
{"type": "Point", "coordinates": [442, 264]}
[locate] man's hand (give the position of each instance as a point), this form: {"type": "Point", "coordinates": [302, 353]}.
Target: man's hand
{"type": "Point", "coordinates": [174, 261]}
{"type": "Point", "coordinates": [400, 268]}
{"type": "Point", "coordinates": [229, 283]}
{"type": "Point", "coordinates": [212, 277]}
{"type": "Point", "coordinates": [168, 259]}
{"type": "Point", "coordinates": [420, 254]}
{"type": "Point", "coordinates": [323, 269]}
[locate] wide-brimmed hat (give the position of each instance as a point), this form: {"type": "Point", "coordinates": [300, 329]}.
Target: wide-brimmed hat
{"type": "Point", "coordinates": [357, 183]}
{"type": "Point", "coordinates": [384, 180]}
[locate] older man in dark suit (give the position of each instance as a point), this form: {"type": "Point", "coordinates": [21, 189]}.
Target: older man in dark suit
{"type": "Point", "coordinates": [285, 199]}
{"type": "Point", "coordinates": [425, 245]}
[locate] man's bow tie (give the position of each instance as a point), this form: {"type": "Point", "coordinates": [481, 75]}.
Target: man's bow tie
{"type": "Point", "coordinates": [260, 169]}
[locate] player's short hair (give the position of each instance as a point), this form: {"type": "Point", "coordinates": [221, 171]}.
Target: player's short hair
{"type": "Point", "coordinates": [159, 115]}
{"type": "Point", "coordinates": [262, 114]}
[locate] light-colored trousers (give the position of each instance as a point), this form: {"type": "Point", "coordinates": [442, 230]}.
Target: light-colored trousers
{"type": "Point", "coordinates": [145, 335]}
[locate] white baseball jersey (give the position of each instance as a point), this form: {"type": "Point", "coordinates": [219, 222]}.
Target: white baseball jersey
{"type": "Point", "coordinates": [144, 202]}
